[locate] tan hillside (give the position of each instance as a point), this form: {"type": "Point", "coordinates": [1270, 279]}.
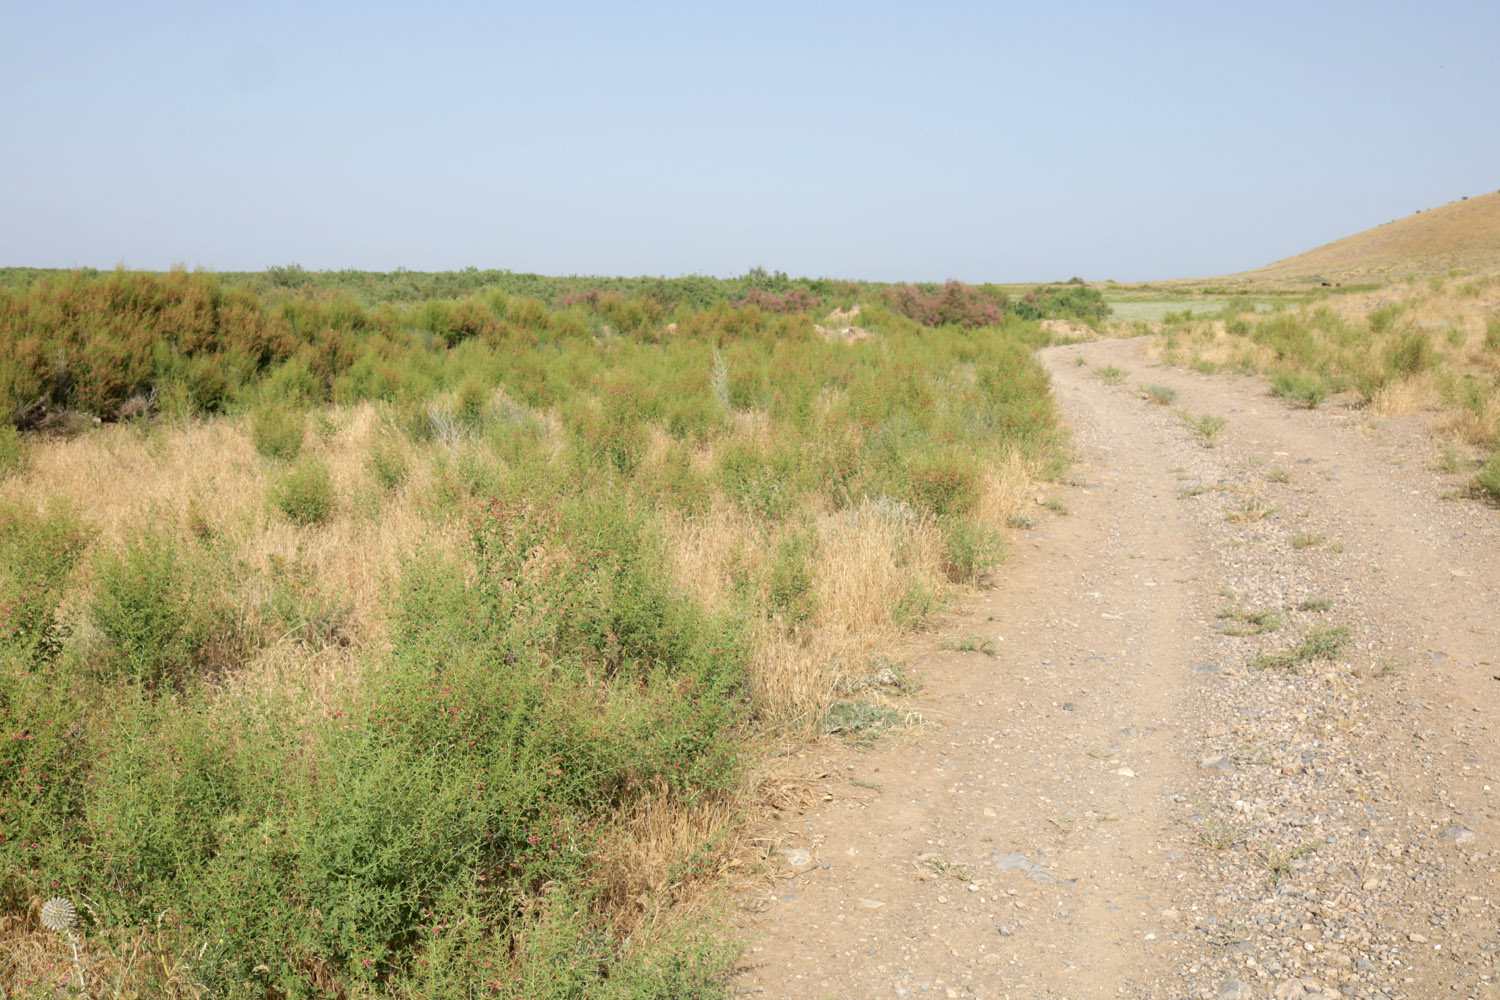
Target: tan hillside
{"type": "Point", "coordinates": [1463, 235]}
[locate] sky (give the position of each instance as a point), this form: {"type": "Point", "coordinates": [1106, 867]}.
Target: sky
{"type": "Point", "coordinates": [889, 142]}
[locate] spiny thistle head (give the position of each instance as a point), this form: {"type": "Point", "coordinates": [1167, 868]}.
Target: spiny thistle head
{"type": "Point", "coordinates": [58, 914]}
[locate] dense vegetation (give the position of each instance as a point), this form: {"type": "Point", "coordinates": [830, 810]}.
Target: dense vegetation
{"type": "Point", "coordinates": [90, 342]}
{"type": "Point", "coordinates": [627, 537]}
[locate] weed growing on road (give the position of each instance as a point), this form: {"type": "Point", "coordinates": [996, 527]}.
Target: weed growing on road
{"type": "Point", "coordinates": [1305, 540]}
{"type": "Point", "coordinates": [1161, 395]}
{"type": "Point", "coordinates": [1320, 644]}
{"type": "Point", "coordinates": [971, 644]}
{"type": "Point", "coordinates": [1207, 426]}
{"type": "Point", "coordinates": [1251, 622]}
{"type": "Point", "coordinates": [1448, 462]}
{"type": "Point", "coordinates": [1064, 824]}
{"type": "Point", "coordinates": [862, 722]}
{"type": "Point", "coordinates": [1317, 604]}
{"type": "Point", "coordinates": [1110, 375]}
{"type": "Point", "coordinates": [1021, 522]}
{"type": "Point", "coordinates": [1278, 862]}
{"type": "Point", "coordinates": [1055, 504]}
{"type": "Point", "coordinates": [1251, 511]}
{"type": "Point", "coordinates": [940, 865]}
{"type": "Point", "coordinates": [1192, 491]}
{"type": "Point", "coordinates": [1276, 474]}
{"type": "Point", "coordinates": [1223, 935]}
{"type": "Point", "coordinates": [1219, 835]}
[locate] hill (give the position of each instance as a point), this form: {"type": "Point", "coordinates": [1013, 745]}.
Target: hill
{"type": "Point", "coordinates": [1463, 235]}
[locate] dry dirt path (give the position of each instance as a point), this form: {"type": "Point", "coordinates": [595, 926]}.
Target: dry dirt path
{"type": "Point", "coordinates": [1120, 802]}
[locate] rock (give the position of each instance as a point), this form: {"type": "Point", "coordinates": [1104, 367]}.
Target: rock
{"type": "Point", "coordinates": [1364, 965]}
{"type": "Point", "coordinates": [1015, 861]}
{"type": "Point", "coordinates": [1233, 989]}
{"type": "Point", "coordinates": [872, 904]}
{"type": "Point", "coordinates": [1218, 762]}
{"type": "Point", "coordinates": [1125, 772]}
{"type": "Point", "coordinates": [798, 857]}
{"type": "Point", "coordinates": [1290, 990]}
{"type": "Point", "coordinates": [1458, 835]}
{"type": "Point", "coordinates": [1416, 938]}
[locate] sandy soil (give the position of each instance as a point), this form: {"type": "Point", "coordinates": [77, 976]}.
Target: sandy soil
{"type": "Point", "coordinates": [1120, 802]}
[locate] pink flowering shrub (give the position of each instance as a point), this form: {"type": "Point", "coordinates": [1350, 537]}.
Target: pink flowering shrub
{"type": "Point", "coordinates": [955, 304]}
{"type": "Point", "coordinates": [795, 301]}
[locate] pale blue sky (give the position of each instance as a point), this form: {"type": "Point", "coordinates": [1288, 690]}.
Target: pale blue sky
{"type": "Point", "coordinates": [986, 142]}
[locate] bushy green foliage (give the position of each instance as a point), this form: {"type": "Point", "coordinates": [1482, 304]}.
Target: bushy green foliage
{"type": "Point", "coordinates": [1487, 480]}
{"type": "Point", "coordinates": [1306, 390]}
{"type": "Point", "coordinates": [38, 551]}
{"type": "Point", "coordinates": [304, 493]}
{"type": "Point", "coordinates": [276, 432]}
{"type": "Point", "coordinates": [970, 548]}
{"type": "Point", "coordinates": [142, 606]}
{"type": "Point", "coordinates": [1071, 299]}
{"type": "Point", "coordinates": [791, 592]}
{"type": "Point", "coordinates": [1409, 354]}
{"type": "Point", "coordinates": [945, 483]}
{"type": "Point", "coordinates": [388, 464]}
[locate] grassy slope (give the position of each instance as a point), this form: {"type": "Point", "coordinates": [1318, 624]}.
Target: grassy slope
{"type": "Point", "coordinates": [1463, 236]}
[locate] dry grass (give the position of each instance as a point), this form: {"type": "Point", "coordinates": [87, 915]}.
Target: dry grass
{"type": "Point", "coordinates": [1456, 318]}
{"type": "Point", "coordinates": [126, 964]}
{"type": "Point", "coordinates": [204, 479]}
{"type": "Point", "coordinates": [1463, 235]}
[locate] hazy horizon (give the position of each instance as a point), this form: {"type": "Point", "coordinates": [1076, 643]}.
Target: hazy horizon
{"type": "Point", "coordinates": [979, 142]}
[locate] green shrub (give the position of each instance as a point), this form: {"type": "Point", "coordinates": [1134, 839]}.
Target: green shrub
{"type": "Point", "coordinates": [277, 431]}
{"type": "Point", "coordinates": [791, 588]}
{"type": "Point", "coordinates": [1487, 480]}
{"type": "Point", "coordinates": [304, 493]}
{"type": "Point", "coordinates": [970, 548]}
{"type": "Point", "coordinates": [1410, 354]}
{"type": "Point", "coordinates": [756, 481]}
{"type": "Point", "coordinates": [945, 484]}
{"type": "Point", "coordinates": [388, 464]}
{"type": "Point", "coordinates": [142, 605]}
{"type": "Point", "coordinates": [915, 606]}
{"type": "Point", "coordinates": [1306, 390]}
{"type": "Point", "coordinates": [38, 550]}
{"type": "Point", "coordinates": [473, 398]}
{"type": "Point", "coordinates": [1383, 319]}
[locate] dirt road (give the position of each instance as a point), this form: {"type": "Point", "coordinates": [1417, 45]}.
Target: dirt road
{"type": "Point", "coordinates": [1237, 738]}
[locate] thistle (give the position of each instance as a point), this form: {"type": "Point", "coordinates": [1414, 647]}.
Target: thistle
{"type": "Point", "coordinates": [59, 914]}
